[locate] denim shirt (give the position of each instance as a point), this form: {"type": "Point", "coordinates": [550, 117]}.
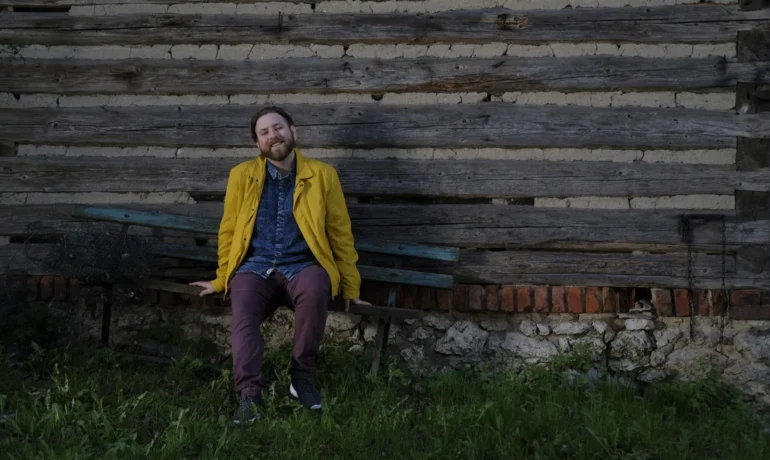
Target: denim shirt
{"type": "Point", "coordinates": [277, 243]}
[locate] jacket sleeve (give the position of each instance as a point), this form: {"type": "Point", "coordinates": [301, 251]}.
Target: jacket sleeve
{"type": "Point", "coordinates": [340, 235]}
{"type": "Point", "coordinates": [226, 229]}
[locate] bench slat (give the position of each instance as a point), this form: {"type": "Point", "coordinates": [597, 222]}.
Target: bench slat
{"type": "Point", "coordinates": [167, 286]}
{"type": "Point", "coordinates": [405, 249]}
{"type": "Point", "coordinates": [374, 310]}
{"type": "Point", "coordinates": [148, 219]}
{"type": "Point", "coordinates": [365, 310]}
{"type": "Point", "coordinates": [211, 226]}
{"type": "Point", "coordinates": [395, 275]}
{"type": "Point", "coordinates": [391, 275]}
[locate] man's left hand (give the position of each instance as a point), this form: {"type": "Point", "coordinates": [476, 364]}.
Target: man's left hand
{"type": "Point", "coordinates": [355, 302]}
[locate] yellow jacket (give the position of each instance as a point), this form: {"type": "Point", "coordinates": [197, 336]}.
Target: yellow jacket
{"type": "Point", "coordinates": [320, 211]}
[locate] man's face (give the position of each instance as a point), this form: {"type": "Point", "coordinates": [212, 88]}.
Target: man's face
{"type": "Point", "coordinates": [275, 138]}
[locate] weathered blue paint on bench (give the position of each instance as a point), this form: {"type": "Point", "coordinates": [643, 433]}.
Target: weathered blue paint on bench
{"type": "Point", "coordinates": [390, 275]}
{"type": "Point", "coordinates": [414, 250]}
{"type": "Point", "coordinates": [210, 226]}
{"type": "Point", "coordinates": [207, 225]}
{"type": "Point", "coordinates": [204, 225]}
{"type": "Point", "coordinates": [397, 275]}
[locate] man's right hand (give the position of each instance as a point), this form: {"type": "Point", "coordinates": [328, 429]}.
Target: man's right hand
{"type": "Point", "coordinates": [208, 288]}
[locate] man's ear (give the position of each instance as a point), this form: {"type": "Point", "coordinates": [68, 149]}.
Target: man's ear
{"type": "Point", "coordinates": [293, 129]}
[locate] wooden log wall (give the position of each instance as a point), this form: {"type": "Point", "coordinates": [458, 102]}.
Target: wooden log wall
{"type": "Point", "coordinates": [556, 142]}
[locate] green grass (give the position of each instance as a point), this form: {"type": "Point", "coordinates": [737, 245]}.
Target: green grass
{"type": "Point", "coordinates": [93, 403]}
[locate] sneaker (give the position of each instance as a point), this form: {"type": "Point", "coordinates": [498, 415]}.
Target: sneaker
{"type": "Point", "coordinates": [306, 392]}
{"type": "Point", "coordinates": [248, 409]}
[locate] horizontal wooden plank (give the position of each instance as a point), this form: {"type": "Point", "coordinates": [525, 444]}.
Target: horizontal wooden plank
{"type": "Point", "coordinates": [462, 225]}
{"type": "Point", "coordinates": [167, 221]}
{"type": "Point", "coordinates": [496, 226]}
{"type": "Point", "coordinates": [701, 24]}
{"type": "Point", "coordinates": [351, 75]}
{"type": "Point", "coordinates": [168, 286]}
{"type": "Point", "coordinates": [201, 225]}
{"type": "Point", "coordinates": [378, 311]}
{"type": "Point", "coordinates": [184, 252]}
{"type": "Point", "coordinates": [384, 274]}
{"type": "Point", "coordinates": [367, 310]}
{"type": "Point", "coordinates": [595, 269]}
{"type": "Point", "coordinates": [416, 278]}
{"type": "Point", "coordinates": [61, 3]}
{"type": "Point", "coordinates": [379, 245]}
{"type": "Point", "coordinates": [447, 178]}
{"type": "Point", "coordinates": [44, 221]}
{"type": "Point", "coordinates": [510, 267]}
{"type": "Point", "coordinates": [491, 124]}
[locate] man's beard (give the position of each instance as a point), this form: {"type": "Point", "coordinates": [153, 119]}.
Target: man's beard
{"type": "Point", "coordinates": [280, 149]}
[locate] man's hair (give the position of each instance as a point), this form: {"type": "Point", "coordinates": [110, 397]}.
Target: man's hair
{"type": "Point", "coordinates": [265, 111]}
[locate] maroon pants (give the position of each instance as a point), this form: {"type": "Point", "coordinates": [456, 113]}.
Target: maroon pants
{"type": "Point", "coordinates": [254, 299]}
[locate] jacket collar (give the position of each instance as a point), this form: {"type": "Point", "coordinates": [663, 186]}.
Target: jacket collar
{"type": "Point", "coordinates": [258, 166]}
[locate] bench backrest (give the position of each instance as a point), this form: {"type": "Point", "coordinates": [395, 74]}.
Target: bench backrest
{"type": "Point", "coordinates": [210, 226]}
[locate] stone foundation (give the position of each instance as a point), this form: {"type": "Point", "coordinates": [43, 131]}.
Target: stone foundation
{"type": "Point", "coordinates": [637, 345]}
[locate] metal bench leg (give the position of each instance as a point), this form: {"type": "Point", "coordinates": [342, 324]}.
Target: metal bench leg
{"type": "Point", "coordinates": [107, 315]}
{"type": "Point", "coordinates": [380, 343]}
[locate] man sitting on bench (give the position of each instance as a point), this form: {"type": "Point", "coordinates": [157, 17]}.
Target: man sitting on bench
{"type": "Point", "coordinates": [285, 239]}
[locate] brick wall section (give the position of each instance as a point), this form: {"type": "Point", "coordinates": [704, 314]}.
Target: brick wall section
{"type": "Point", "coordinates": [749, 304]}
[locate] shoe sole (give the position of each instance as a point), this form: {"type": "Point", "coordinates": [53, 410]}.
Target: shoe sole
{"type": "Point", "coordinates": [296, 396]}
{"type": "Point", "coordinates": [251, 420]}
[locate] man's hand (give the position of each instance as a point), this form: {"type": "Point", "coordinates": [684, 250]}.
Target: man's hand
{"type": "Point", "coordinates": [355, 302]}
{"type": "Point", "coordinates": [208, 288]}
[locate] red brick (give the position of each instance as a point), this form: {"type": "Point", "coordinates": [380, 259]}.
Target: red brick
{"type": "Point", "coordinates": [507, 302]}
{"type": "Point", "coordinates": [661, 300]}
{"type": "Point", "coordinates": [719, 300]}
{"type": "Point", "coordinates": [541, 299]}
{"type": "Point", "coordinates": [575, 300]}
{"type": "Point", "coordinates": [153, 296]}
{"type": "Point", "coordinates": [592, 300]}
{"type": "Point", "coordinates": [476, 297]}
{"type": "Point", "coordinates": [444, 299]}
{"type": "Point", "coordinates": [460, 298]}
{"type": "Point", "coordinates": [609, 300]}
{"type": "Point", "coordinates": [625, 299]}
{"type": "Point", "coordinates": [747, 297]}
{"type": "Point", "coordinates": [681, 302]}
{"type": "Point", "coordinates": [427, 298]}
{"type": "Point", "coordinates": [195, 301]}
{"type": "Point", "coordinates": [702, 296]}
{"type": "Point", "coordinates": [46, 288]}
{"type": "Point", "coordinates": [764, 298]}
{"type": "Point", "coordinates": [367, 292]}
{"type": "Point", "coordinates": [381, 292]}
{"type": "Point", "coordinates": [33, 287]}
{"type": "Point", "coordinates": [167, 298]}
{"type": "Point", "coordinates": [524, 299]}
{"type": "Point", "coordinates": [493, 300]}
{"type": "Point", "coordinates": [407, 297]}
{"type": "Point", "coordinates": [60, 288]}
{"type": "Point", "coordinates": [750, 312]}
{"type": "Point", "coordinates": [74, 288]}
{"type": "Point", "coordinates": [558, 299]}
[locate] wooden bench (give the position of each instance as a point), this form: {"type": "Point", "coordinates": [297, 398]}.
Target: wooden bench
{"type": "Point", "coordinates": [209, 226]}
